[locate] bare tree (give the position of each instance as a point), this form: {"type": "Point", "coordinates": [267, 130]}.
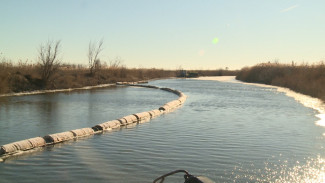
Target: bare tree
{"type": "Point", "coordinates": [48, 59]}
{"type": "Point", "coordinates": [93, 59]}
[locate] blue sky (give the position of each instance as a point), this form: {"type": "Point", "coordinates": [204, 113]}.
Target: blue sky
{"type": "Point", "coordinates": [168, 34]}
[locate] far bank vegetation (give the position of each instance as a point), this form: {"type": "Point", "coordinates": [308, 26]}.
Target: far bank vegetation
{"type": "Point", "coordinates": [306, 79]}
{"type": "Point", "coordinates": [27, 76]}
{"type": "Point", "coordinates": [50, 72]}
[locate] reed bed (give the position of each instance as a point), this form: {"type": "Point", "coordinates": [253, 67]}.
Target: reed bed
{"type": "Point", "coordinates": [26, 76]}
{"type": "Point", "coordinates": [306, 79]}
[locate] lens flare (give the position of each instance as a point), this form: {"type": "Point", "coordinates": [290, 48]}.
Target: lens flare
{"type": "Point", "coordinates": [215, 40]}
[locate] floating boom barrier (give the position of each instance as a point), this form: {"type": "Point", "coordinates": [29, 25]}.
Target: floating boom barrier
{"type": "Point", "coordinates": [37, 142]}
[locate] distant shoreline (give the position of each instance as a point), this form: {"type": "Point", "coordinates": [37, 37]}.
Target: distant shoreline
{"type": "Point", "coordinates": [35, 92]}
{"type": "Point", "coordinates": [16, 80]}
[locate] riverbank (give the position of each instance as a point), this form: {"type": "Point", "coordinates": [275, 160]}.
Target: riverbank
{"type": "Point", "coordinates": [26, 78]}
{"type": "Point", "coordinates": [305, 79]}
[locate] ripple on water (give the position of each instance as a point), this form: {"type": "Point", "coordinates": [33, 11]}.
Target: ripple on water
{"type": "Point", "coordinates": [227, 132]}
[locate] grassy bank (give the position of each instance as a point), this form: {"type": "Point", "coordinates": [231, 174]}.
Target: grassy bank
{"type": "Point", "coordinates": [24, 77]}
{"type": "Point", "coordinates": [305, 79]}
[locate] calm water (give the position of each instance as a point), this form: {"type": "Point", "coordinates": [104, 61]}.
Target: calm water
{"type": "Point", "coordinates": [229, 132]}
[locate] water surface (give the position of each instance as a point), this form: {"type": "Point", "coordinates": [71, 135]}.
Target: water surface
{"type": "Point", "coordinates": [229, 132]}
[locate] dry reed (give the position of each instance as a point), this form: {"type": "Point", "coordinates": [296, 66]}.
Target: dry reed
{"type": "Point", "coordinates": [26, 76]}
{"type": "Point", "coordinates": [305, 79]}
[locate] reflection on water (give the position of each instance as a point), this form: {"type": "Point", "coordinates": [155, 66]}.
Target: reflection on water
{"type": "Point", "coordinates": [228, 132]}
{"type": "Point", "coordinates": [311, 170]}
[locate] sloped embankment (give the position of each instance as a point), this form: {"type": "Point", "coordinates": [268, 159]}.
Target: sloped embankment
{"type": "Point", "coordinates": [37, 142]}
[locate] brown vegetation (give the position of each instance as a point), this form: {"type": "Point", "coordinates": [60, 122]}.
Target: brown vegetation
{"type": "Point", "coordinates": [217, 72]}
{"type": "Point", "coordinates": [50, 73]}
{"type": "Point", "coordinates": [27, 76]}
{"type": "Point", "coordinates": [197, 73]}
{"type": "Point", "coordinates": [305, 79]}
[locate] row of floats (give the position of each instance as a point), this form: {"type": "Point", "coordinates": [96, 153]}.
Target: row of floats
{"type": "Point", "coordinates": [37, 142]}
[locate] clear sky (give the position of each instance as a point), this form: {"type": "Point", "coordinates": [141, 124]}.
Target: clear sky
{"type": "Point", "coordinates": [168, 33]}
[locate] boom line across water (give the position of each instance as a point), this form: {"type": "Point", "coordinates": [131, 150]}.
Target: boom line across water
{"type": "Point", "coordinates": [39, 142]}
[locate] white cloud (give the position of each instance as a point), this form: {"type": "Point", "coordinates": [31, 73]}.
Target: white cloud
{"type": "Point", "coordinates": [290, 8]}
